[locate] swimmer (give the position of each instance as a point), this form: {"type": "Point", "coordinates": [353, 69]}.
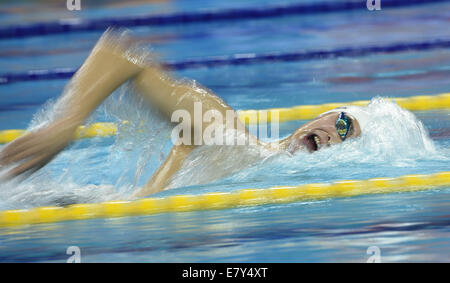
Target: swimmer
{"type": "Point", "coordinates": [114, 60]}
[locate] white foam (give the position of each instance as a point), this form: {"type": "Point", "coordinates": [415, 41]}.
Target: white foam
{"type": "Point", "coordinates": [89, 172]}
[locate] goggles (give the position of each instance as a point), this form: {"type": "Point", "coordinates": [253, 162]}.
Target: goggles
{"type": "Point", "coordinates": [342, 125]}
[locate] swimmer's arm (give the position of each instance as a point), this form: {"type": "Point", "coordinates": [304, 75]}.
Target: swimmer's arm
{"type": "Point", "coordinates": [107, 67]}
{"type": "Point", "coordinates": [104, 70]}
{"type": "Point", "coordinates": [171, 165]}
{"type": "Point", "coordinates": [169, 94]}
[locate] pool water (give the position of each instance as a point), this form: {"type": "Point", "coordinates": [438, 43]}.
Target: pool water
{"type": "Point", "coordinates": [411, 226]}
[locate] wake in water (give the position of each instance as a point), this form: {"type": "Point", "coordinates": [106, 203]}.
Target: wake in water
{"type": "Point", "coordinates": [393, 143]}
{"type": "Point", "coordinates": [98, 169]}
{"type": "Point", "coordinates": [111, 169]}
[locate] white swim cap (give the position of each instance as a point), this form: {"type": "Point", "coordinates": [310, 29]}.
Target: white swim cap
{"type": "Point", "coordinates": [359, 113]}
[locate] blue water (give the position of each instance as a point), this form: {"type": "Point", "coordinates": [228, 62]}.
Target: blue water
{"type": "Point", "coordinates": [405, 226]}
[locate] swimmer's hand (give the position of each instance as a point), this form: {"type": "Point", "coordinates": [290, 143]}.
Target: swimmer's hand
{"type": "Point", "coordinates": [35, 149]}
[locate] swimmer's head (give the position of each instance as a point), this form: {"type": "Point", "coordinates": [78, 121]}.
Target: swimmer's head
{"type": "Point", "coordinates": [332, 127]}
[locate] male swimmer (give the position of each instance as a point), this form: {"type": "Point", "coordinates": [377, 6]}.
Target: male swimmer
{"type": "Point", "coordinates": [114, 60]}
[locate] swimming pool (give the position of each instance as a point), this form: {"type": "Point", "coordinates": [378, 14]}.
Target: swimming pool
{"type": "Point", "coordinates": [412, 226]}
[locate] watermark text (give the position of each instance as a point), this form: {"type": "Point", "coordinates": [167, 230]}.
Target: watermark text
{"type": "Point", "coordinates": [73, 5]}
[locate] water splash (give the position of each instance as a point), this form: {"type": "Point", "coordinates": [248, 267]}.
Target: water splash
{"type": "Point", "coordinates": [98, 170]}
{"type": "Point", "coordinates": [393, 140]}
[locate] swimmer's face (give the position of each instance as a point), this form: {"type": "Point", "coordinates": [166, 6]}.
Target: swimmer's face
{"type": "Point", "coordinates": [322, 132]}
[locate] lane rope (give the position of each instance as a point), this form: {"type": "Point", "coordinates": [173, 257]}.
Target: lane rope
{"type": "Point", "coordinates": [65, 26]}
{"type": "Point", "coordinates": [302, 112]}
{"type": "Point", "coordinates": [225, 200]}
{"type": "Point", "coordinates": [245, 59]}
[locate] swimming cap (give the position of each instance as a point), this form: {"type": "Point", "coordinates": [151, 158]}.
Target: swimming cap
{"type": "Point", "coordinates": [359, 113]}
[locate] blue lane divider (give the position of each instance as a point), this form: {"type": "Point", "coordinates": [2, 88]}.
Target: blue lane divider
{"type": "Point", "coordinates": [237, 59]}
{"type": "Point", "coordinates": [78, 25]}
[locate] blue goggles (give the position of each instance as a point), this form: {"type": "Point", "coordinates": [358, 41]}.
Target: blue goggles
{"type": "Point", "coordinates": [342, 125]}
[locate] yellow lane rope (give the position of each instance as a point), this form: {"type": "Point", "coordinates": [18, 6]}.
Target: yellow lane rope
{"type": "Point", "coordinates": [307, 112]}
{"type": "Point", "coordinates": [82, 132]}
{"type": "Point", "coordinates": [245, 197]}
{"type": "Point", "coordinates": [303, 112]}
